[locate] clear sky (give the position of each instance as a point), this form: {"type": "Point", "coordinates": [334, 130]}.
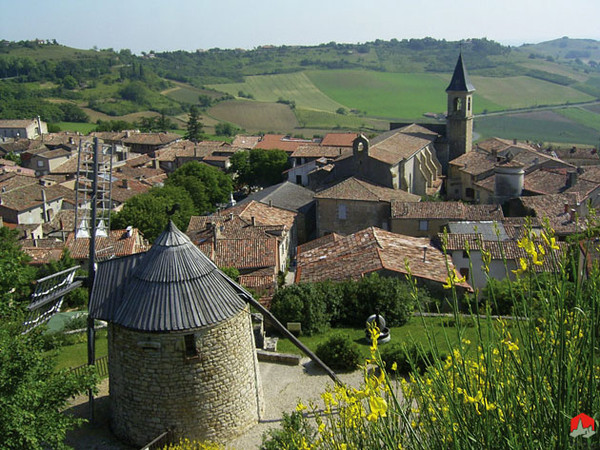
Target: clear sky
{"type": "Point", "coordinates": [162, 25]}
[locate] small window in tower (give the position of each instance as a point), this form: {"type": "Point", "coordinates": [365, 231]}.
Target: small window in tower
{"type": "Point", "coordinates": [469, 104]}
{"type": "Point", "coordinates": [190, 346]}
{"type": "Point", "coordinates": [457, 104]}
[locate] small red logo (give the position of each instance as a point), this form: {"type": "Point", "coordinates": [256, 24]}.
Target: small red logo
{"type": "Point", "coordinates": [582, 425]}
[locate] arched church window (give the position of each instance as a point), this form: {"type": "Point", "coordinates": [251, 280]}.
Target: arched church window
{"type": "Point", "coordinates": [469, 104]}
{"type": "Point", "coordinates": [457, 104]}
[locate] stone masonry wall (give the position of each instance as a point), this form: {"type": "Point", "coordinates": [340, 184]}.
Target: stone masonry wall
{"type": "Point", "coordinates": [155, 384]}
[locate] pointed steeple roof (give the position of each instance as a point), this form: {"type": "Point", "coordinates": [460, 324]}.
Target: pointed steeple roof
{"type": "Point", "coordinates": [172, 287]}
{"type": "Point", "coordinates": [460, 79]}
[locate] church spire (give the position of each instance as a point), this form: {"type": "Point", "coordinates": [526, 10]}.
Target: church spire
{"type": "Point", "coordinates": [460, 79]}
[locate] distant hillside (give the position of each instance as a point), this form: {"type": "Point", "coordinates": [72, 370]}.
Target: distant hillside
{"type": "Point", "coordinates": [304, 89]}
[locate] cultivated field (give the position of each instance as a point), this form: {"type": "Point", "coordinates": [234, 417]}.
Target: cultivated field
{"type": "Point", "coordinates": [187, 94]}
{"type": "Point", "coordinates": [292, 86]}
{"type": "Point", "coordinates": [524, 92]}
{"type": "Point", "coordinates": [540, 126]}
{"type": "Point", "coordinates": [255, 116]}
{"type": "Point", "coordinates": [582, 116]}
{"type": "Point", "coordinates": [327, 120]}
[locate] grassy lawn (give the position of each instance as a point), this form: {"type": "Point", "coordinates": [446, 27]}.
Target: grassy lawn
{"type": "Point", "coordinates": [76, 355]}
{"type": "Point", "coordinates": [444, 335]}
{"type": "Point", "coordinates": [290, 86]}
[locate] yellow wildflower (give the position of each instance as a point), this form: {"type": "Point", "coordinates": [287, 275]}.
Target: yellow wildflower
{"type": "Point", "coordinates": [522, 268]}
{"type": "Point", "coordinates": [378, 408]}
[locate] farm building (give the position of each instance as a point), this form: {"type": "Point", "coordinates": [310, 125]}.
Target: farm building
{"type": "Point", "coordinates": [181, 348]}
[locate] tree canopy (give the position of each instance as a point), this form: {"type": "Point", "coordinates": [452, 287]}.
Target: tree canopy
{"type": "Point", "coordinates": [148, 212]}
{"type": "Point", "coordinates": [259, 167]}
{"type": "Point", "coordinates": [32, 394]}
{"type": "Point", "coordinates": [206, 185]}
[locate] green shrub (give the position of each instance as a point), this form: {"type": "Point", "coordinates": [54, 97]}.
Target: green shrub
{"type": "Point", "coordinates": [407, 358]}
{"type": "Point", "coordinates": [303, 303]}
{"type": "Point", "coordinates": [293, 432]}
{"type": "Point", "coordinates": [339, 353]}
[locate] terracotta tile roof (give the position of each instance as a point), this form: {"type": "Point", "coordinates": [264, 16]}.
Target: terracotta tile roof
{"type": "Point", "coordinates": [280, 142]}
{"type": "Point", "coordinates": [7, 162]}
{"type": "Point", "coordinates": [30, 196]}
{"type": "Point", "coordinates": [238, 243]}
{"type": "Point", "coordinates": [326, 239]}
{"type": "Point", "coordinates": [552, 206]}
{"type": "Point", "coordinates": [13, 180]}
{"type": "Point", "coordinates": [263, 214]}
{"type": "Point", "coordinates": [262, 281]}
{"type": "Point", "coordinates": [339, 139]}
{"type": "Point", "coordinates": [488, 183]}
{"type": "Point", "coordinates": [319, 151]}
{"type": "Point", "coordinates": [138, 159]}
{"type": "Point", "coordinates": [369, 250]}
{"type": "Point", "coordinates": [445, 210]}
{"type": "Point", "coordinates": [457, 241]}
{"type": "Point", "coordinates": [42, 251]}
{"type": "Point", "coordinates": [590, 155]}
{"type": "Point", "coordinates": [118, 243]}
{"type": "Point", "coordinates": [121, 194]}
{"type": "Point", "coordinates": [110, 136]}
{"type": "Point", "coordinates": [63, 220]}
{"type": "Point", "coordinates": [247, 142]}
{"type": "Point", "coordinates": [146, 174]}
{"type": "Point", "coordinates": [19, 145]}
{"type": "Point", "coordinates": [498, 145]}
{"type": "Point", "coordinates": [58, 153]}
{"type": "Point", "coordinates": [401, 144]}
{"type": "Point", "coordinates": [151, 138]}
{"type": "Point", "coordinates": [9, 123]}
{"type": "Point", "coordinates": [475, 163]}
{"type": "Point", "coordinates": [357, 189]}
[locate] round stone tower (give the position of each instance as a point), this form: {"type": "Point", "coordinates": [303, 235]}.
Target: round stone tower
{"type": "Point", "coordinates": [509, 179]}
{"type": "Point", "coordinates": [181, 348]}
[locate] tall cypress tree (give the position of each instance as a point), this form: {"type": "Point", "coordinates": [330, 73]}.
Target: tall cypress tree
{"type": "Point", "coordinates": [194, 126]}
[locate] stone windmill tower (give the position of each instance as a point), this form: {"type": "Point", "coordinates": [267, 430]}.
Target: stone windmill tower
{"type": "Point", "coordinates": [181, 349]}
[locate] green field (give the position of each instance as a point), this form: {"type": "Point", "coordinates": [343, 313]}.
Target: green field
{"type": "Point", "coordinates": [523, 92]}
{"type": "Point", "coordinates": [292, 86]}
{"type": "Point", "coordinates": [255, 116]}
{"type": "Point", "coordinates": [83, 128]}
{"type": "Point", "coordinates": [542, 126]}
{"type": "Point", "coordinates": [187, 94]}
{"type": "Point", "coordinates": [310, 118]}
{"type": "Point", "coordinates": [582, 116]}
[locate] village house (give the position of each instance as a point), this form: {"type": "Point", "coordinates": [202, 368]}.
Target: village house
{"type": "Point", "coordinates": [427, 219]}
{"type": "Point", "coordinates": [23, 200]}
{"type": "Point", "coordinates": [308, 157]}
{"type": "Point", "coordinates": [258, 252]}
{"type": "Point", "coordinates": [354, 203]}
{"type": "Point", "coordinates": [148, 142]}
{"type": "Point", "coordinates": [27, 129]}
{"type": "Point", "coordinates": [503, 251]}
{"type": "Point", "coordinates": [47, 162]}
{"type": "Point", "coordinates": [116, 244]}
{"type": "Point", "coordinates": [373, 250]}
{"type": "Point", "coordinates": [496, 170]}
{"type": "Point", "coordinates": [291, 197]}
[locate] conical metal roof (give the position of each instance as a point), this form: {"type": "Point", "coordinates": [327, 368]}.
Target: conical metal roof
{"type": "Point", "coordinates": [460, 79]}
{"type": "Point", "coordinates": [172, 287]}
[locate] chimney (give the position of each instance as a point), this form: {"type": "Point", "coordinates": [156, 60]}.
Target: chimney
{"type": "Point", "coordinates": [253, 221]}
{"type": "Point", "coordinates": [129, 231]}
{"type": "Point", "coordinates": [71, 140]}
{"type": "Point", "coordinates": [425, 254]}
{"type": "Point", "coordinates": [44, 210]}
{"type": "Point", "coordinates": [271, 203]}
{"type": "Point", "coordinates": [156, 163]}
{"type": "Point", "coordinates": [125, 183]}
{"type": "Point", "coordinates": [514, 142]}
{"type": "Point", "coordinates": [572, 178]}
{"type": "Point", "coordinates": [230, 216]}
{"type": "Point", "coordinates": [571, 214]}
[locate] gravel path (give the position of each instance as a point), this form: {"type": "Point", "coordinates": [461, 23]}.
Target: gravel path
{"type": "Point", "coordinates": [282, 385]}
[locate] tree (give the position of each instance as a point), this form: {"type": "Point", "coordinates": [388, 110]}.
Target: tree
{"type": "Point", "coordinates": [194, 126]}
{"type": "Point", "coordinates": [259, 167]}
{"type": "Point", "coordinates": [32, 393]}
{"type": "Point", "coordinates": [205, 100]}
{"type": "Point", "coordinates": [163, 123]}
{"type": "Point", "coordinates": [148, 212]}
{"type": "Point", "coordinates": [206, 185]}
{"type": "Point", "coordinates": [226, 129]}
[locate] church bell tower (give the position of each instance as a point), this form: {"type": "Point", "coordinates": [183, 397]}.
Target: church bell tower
{"type": "Point", "coordinates": [459, 121]}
